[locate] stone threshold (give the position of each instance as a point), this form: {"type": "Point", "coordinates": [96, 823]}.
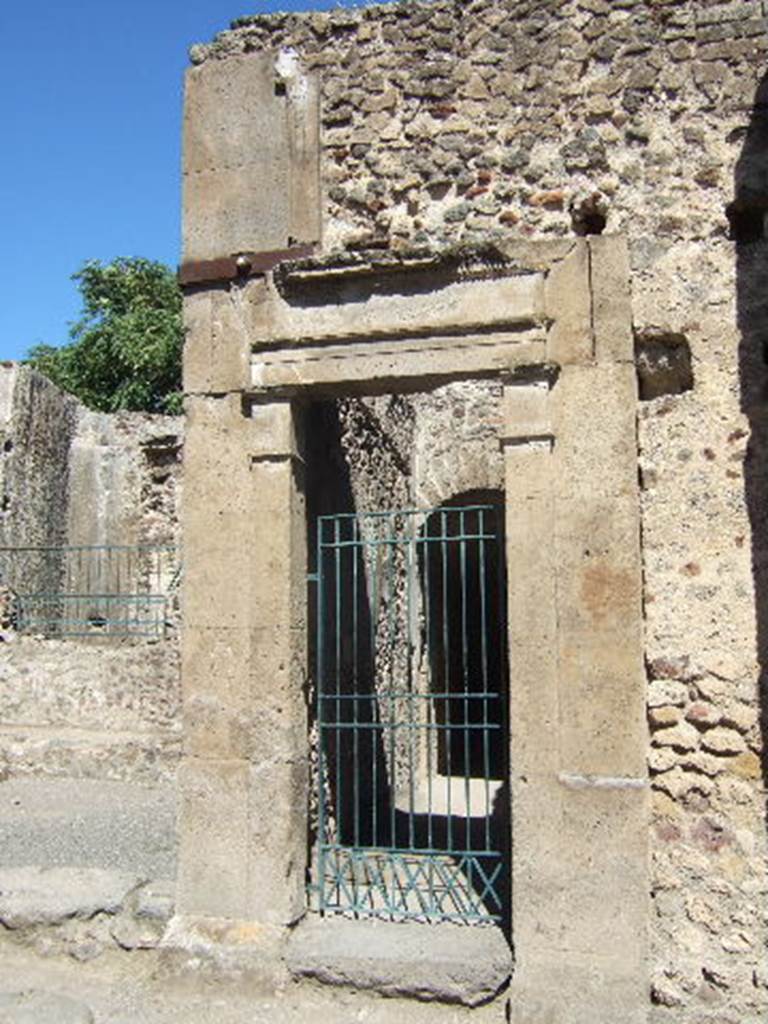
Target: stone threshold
{"type": "Point", "coordinates": [434, 962]}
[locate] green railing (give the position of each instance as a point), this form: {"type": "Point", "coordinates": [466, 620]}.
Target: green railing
{"type": "Point", "coordinates": [411, 672]}
{"type": "Point", "coordinates": [107, 590]}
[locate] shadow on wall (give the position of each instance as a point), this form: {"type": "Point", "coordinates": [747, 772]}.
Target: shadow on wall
{"type": "Point", "coordinates": [748, 215]}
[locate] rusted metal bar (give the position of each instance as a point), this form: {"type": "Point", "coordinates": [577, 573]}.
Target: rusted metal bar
{"type": "Point", "coordinates": [243, 264]}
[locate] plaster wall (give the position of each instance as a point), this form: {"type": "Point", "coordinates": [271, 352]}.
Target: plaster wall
{"type": "Point", "coordinates": [37, 425]}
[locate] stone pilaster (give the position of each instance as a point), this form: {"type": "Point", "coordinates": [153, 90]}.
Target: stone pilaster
{"type": "Point", "coordinates": [243, 778]}
{"type": "Point", "coordinates": [580, 803]}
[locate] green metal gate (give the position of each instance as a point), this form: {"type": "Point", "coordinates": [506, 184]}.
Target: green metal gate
{"type": "Point", "coordinates": [411, 730]}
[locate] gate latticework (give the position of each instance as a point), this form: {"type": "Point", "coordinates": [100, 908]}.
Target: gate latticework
{"type": "Point", "coordinates": [412, 737]}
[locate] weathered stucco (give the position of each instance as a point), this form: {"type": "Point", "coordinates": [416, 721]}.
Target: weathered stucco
{"type": "Point", "coordinates": [70, 475]}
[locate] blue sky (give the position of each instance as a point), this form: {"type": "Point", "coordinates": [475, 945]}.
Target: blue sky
{"type": "Point", "coordinates": [90, 93]}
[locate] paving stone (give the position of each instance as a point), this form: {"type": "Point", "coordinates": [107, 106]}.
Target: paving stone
{"type": "Point", "coordinates": [36, 1007]}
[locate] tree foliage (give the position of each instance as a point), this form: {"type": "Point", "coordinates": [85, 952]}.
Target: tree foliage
{"type": "Point", "coordinates": [125, 351]}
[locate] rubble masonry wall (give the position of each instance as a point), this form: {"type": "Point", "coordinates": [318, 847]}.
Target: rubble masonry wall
{"type": "Point", "coordinates": [461, 121]}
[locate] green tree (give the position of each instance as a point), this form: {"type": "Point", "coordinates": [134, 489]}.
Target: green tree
{"type": "Point", "coordinates": [125, 351]}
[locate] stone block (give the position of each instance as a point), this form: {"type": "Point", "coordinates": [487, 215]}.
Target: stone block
{"type": "Point", "coordinates": [381, 365]}
{"type": "Point", "coordinates": [197, 314]}
{"type": "Point", "coordinates": [598, 566]}
{"type": "Point", "coordinates": [243, 838]}
{"type": "Point", "coordinates": [593, 417]}
{"type": "Point", "coordinates": [220, 129]}
{"type": "Point", "coordinates": [605, 866]}
{"type": "Point", "coordinates": [571, 988]}
{"type": "Point", "coordinates": [277, 836]}
{"type": "Point", "coordinates": [217, 446]}
{"type": "Point", "coordinates": [531, 577]}
{"type": "Point", "coordinates": [243, 693]}
{"type": "Point", "coordinates": [539, 892]}
{"type": "Point", "coordinates": [363, 311]}
{"type": "Point", "coordinates": [439, 963]}
{"type": "Point", "coordinates": [220, 219]}
{"type": "Point", "coordinates": [529, 471]}
{"type": "Point", "coordinates": [569, 304]}
{"type": "Point", "coordinates": [279, 670]}
{"type": "Point", "coordinates": [243, 826]}
{"type": "Point", "coordinates": [216, 344]}
{"type": "Point", "coordinates": [602, 728]}
{"type": "Point", "coordinates": [32, 896]}
{"type": "Point", "coordinates": [218, 705]}
{"type": "Point", "coordinates": [278, 560]}
{"type": "Point", "coordinates": [303, 116]}
{"type": "Point", "coordinates": [243, 519]}
{"type": "Point", "coordinates": [217, 587]}
{"type": "Point", "coordinates": [534, 716]}
{"type": "Point", "coordinates": [211, 949]}
{"type": "Point", "coordinates": [214, 854]}
{"type": "Point", "coordinates": [525, 411]}
{"type": "Point", "coordinates": [237, 159]}
{"type": "Point", "coordinates": [611, 299]}
{"type": "Point", "coordinates": [274, 429]}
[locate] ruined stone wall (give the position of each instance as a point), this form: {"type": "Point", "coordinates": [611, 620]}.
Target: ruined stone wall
{"type": "Point", "coordinates": [124, 474]}
{"type": "Point", "coordinates": [37, 425]}
{"type": "Point", "coordinates": [460, 121]}
{"type": "Point", "coordinates": [443, 120]}
{"type": "Point", "coordinates": [86, 709]}
{"type": "Point", "coordinates": [69, 476]}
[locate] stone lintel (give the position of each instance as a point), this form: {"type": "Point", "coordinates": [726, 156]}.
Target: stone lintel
{"type": "Point", "coordinates": [391, 364]}
{"type": "Point", "coordinates": [407, 306]}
